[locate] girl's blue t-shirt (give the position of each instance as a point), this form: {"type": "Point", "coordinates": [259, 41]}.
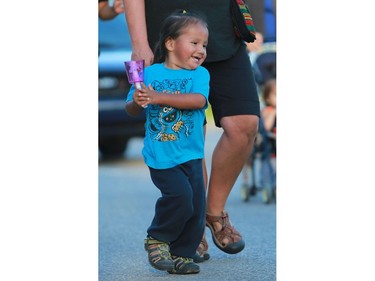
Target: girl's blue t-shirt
{"type": "Point", "coordinates": [173, 136]}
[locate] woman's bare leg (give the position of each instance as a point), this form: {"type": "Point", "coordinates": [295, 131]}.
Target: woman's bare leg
{"type": "Point", "coordinates": [228, 159]}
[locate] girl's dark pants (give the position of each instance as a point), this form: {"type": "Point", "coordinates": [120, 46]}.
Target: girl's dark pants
{"type": "Point", "coordinates": [180, 211]}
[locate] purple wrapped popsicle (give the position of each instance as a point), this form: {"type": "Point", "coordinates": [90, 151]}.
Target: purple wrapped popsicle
{"type": "Point", "coordinates": [134, 71]}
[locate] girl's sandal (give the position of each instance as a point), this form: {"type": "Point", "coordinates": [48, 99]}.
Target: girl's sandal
{"type": "Point", "coordinates": [158, 254]}
{"type": "Point", "coordinates": [227, 239]}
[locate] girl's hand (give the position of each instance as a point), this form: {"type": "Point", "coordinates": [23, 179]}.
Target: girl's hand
{"type": "Point", "coordinates": [139, 98]}
{"type": "Point", "coordinates": [146, 95]}
{"type": "Point", "coordinates": [118, 6]}
{"type": "Point", "coordinates": [142, 96]}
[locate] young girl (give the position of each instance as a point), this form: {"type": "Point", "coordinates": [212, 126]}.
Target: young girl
{"type": "Point", "coordinates": [175, 99]}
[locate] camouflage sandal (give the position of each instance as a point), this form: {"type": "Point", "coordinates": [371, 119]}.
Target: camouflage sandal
{"type": "Point", "coordinates": [184, 266]}
{"type": "Point", "coordinates": [158, 254]}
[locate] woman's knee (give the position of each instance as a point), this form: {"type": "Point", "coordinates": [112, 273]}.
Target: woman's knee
{"type": "Point", "coordinates": [240, 126]}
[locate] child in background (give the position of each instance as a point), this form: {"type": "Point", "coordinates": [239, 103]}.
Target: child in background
{"type": "Point", "coordinates": [269, 112]}
{"type": "Point", "coordinates": [175, 100]}
{"type": "Point", "coordinates": [269, 117]}
{"type": "Point", "coordinates": [259, 173]}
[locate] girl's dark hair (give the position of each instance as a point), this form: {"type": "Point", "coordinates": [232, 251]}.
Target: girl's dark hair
{"type": "Point", "coordinates": [172, 27]}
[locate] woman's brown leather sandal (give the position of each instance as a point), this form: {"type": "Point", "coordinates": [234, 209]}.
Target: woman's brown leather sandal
{"type": "Point", "coordinates": [202, 254]}
{"type": "Point", "coordinates": [234, 243]}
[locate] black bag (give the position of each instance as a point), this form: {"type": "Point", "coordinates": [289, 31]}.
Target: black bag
{"type": "Point", "coordinates": [242, 21]}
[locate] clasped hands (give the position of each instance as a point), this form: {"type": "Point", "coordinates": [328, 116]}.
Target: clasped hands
{"type": "Point", "coordinates": [144, 96]}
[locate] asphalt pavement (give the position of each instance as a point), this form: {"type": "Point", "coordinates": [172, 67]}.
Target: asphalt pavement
{"type": "Point", "coordinates": [126, 207]}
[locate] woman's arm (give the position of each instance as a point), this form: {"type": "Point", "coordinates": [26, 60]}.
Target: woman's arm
{"type": "Point", "coordinates": [136, 20]}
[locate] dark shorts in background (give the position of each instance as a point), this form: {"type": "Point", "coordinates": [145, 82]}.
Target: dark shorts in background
{"type": "Point", "coordinates": [233, 90]}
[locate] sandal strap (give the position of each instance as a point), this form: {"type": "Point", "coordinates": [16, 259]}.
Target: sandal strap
{"type": "Point", "coordinates": [157, 250]}
{"type": "Point", "coordinates": [223, 219]}
{"type": "Point", "coordinates": [228, 231]}
{"type": "Point", "coordinates": [203, 247]}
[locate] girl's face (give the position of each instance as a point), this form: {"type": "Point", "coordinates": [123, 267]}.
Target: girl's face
{"type": "Point", "coordinates": [188, 51]}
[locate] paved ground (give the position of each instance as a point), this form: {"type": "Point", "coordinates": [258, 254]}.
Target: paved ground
{"type": "Point", "coordinates": [126, 207]}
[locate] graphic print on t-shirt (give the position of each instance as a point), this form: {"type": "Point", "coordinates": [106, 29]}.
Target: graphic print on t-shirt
{"type": "Point", "coordinates": [168, 123]}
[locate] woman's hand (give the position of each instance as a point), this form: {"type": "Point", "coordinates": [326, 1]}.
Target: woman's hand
{"type": "Point", "coordinates": [143, 51]}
